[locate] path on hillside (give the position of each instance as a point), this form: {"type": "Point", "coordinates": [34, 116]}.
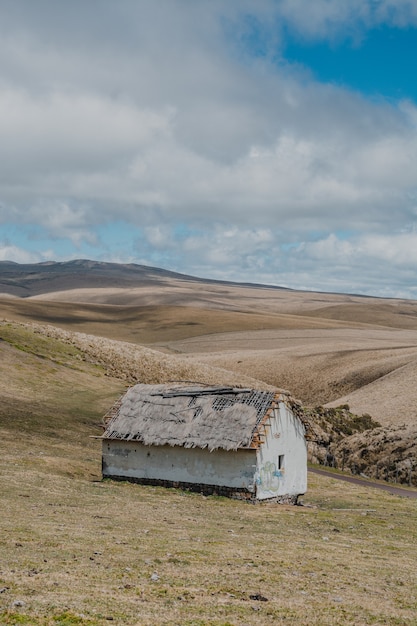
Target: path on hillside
{"type": "Point", "coordinates": [397, 491]}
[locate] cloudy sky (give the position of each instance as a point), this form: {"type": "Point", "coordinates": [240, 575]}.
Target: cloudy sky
{"type": "Point", "coordinates": [269, 141]}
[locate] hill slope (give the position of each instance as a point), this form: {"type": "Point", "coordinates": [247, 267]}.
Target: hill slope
{"type": "Point", "coordinates": [27, 280]}
{"type": "Point", "coordinates": [76, 550]}
{"type": "Point", "coordinates": [371, 369]}
{"type": "Point", "coordinates": [325, 348]}
{"type": "Point", "coordinates": [94, 283]}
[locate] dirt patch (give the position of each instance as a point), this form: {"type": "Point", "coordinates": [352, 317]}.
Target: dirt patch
{"type": "Point", "coordinates": [371, 370]}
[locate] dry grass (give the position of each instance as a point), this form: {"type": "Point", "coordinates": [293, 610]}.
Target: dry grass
{"type": "Point", "coordinates": [372, 370]}
{"type": "Point", "coordinates": [153, 323]}
{"type": "Point", "coordinates": [325, 348]}
{"type": "Point", "coordinates": [337, 309]}
{"type": "Point", "coordinates": [131, 363]}
{"type": "Point", "coordinates": [384, 453]}
{"type": "Point", "coordinates": [320, 360]}
{"type": "Point", "coordinates": [88, 551]}
{"type": "Point", "coordinates": [75, 550]}
{"type": "Point", "coordinates": [134, 363]}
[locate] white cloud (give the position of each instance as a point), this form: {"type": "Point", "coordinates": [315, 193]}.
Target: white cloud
{"type": "Point", "coordinates": [382, 265]}
{"type": "Point", "coordinates": [18, 255]}
{"type": "Point", "coordinates": [218, 246]}
{"type": "Point", "coordinates": [64, 221]}
{"type": "Point", "coordinates": [70, 132]}
{"type": "Point", "coordinates": [398, 250]}
{"type": "Point", "coordinates": [328, 18]}
{"type": "Point", "coordinates": [159, 236]}
{"type": "Point", "coordinates": [156, 115]}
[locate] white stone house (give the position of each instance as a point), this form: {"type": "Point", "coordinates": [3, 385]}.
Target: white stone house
{"type": "Point", "coordinates": [216, 440]}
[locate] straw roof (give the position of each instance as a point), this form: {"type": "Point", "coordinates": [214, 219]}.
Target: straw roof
{"type": "Point", "coordinates": [190, 416]}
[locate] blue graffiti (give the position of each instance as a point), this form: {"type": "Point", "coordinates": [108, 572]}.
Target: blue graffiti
{"type": "Point", "coordinates": [269, 477]}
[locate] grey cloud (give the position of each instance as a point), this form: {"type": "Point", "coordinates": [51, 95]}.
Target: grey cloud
{"type": "Point", "coordinates": [154, 113]}
{"type": "Point", "coordinates": [382, 265]}
{"type": "Point", "coordinates": [327, 19]}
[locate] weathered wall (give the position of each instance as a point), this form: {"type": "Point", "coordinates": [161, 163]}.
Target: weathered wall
{"type": "Point", "coordinates": [285, 435]}
{"type": "Point", "coordinates": [132, 460]}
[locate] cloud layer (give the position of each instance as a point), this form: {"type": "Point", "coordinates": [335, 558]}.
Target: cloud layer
{"type": "Point", "coordinates": [184, 123]}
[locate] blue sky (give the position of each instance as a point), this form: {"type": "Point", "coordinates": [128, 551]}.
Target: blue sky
{"type": "Point", "coordinates": [380, 64]}
{"type": "Point", "coordinates": [270, 141]}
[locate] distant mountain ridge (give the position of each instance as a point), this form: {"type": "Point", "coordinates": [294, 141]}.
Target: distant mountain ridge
{"type": "Point", "coordinates": [25, 280]}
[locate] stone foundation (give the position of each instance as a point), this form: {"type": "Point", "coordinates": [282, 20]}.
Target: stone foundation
{"type": "Point", "coordinates": [207, 490]}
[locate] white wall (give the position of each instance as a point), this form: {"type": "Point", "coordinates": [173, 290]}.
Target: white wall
{"type": "Point", "coordinates": [242, 469]}
{"type": "Point", "coordinates": [187, 465]}
{"type": "Point", "coordinates": [285, 435]}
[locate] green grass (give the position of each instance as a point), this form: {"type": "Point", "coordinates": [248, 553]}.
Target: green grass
{"type": "Point", "coordinates": [28, 341]}
{"type": "Point", "coordinates": [47, 387]}
{"type": "Point", "coordinates": [78, 550]}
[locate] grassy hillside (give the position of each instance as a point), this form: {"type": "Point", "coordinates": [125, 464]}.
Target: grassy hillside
{"type": "Point", "coordinates": [328, 349]}
{"type": "Point", "coordinates": [78, 551]}
{"type": "Point", "coordinates": [372, 370]}
{"type": "Point", "coordinates": [51, 396]}
{"type": "Point", "coordinates": [152, 324]}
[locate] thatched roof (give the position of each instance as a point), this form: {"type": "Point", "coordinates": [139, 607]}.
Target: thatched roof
{"type": "Point", "coordinates": [190, 416]}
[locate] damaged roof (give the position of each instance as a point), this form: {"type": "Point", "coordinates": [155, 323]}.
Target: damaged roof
{"type": "Point", "coordinates": [190, 416]}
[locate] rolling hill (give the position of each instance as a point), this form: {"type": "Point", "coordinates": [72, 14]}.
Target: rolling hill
{"type": "Point", "coordinates": [78, 550]}
{"type": "Point", "coordinates": [326, 348]}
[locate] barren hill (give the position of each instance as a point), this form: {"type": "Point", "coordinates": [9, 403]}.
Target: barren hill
{"type": "Point", "coordinates": [323, 347]}
{"type": "Point", "coordinates": [79, 550]}
{"type": "Point", "coordinates": [34, 279]}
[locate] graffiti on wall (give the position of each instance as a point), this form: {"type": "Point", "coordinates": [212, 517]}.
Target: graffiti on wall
{"type": "Point", "coordinates": [269, 477]}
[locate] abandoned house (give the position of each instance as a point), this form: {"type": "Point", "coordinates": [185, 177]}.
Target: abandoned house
{"type": "Point", "coordinates": [216, 440]}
